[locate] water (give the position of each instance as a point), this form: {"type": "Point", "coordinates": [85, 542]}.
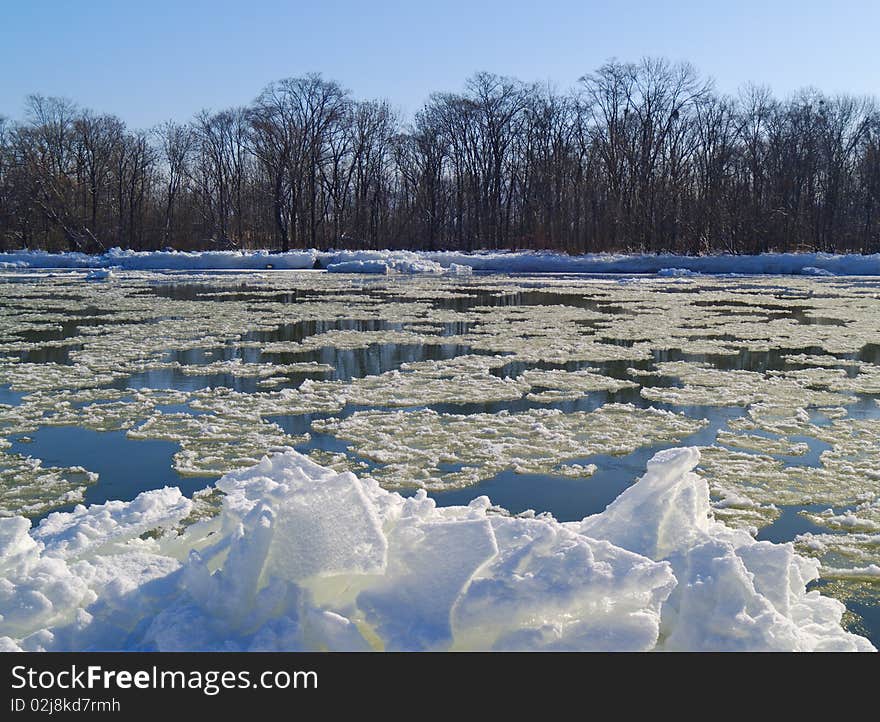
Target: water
{"type": "Point", "coordinates": [127, 467]}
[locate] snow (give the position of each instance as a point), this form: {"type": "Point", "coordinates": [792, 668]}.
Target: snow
{"type": "Point", "coordinates": [456, 263]}
{"type": "Point", "coordinates": [405, 262]}
{"type": "Point", "coordinates": [814, 271]}
{"type": "Point", "coordinates": [99, 274]}
{"type": "Point", "coordinates": [161, 260]}
{"type": "Point", "coordinates": [390, 262]}
{"type": "Point", "coordinates": [302, 557]}
{"type": "Point", "coordinates": [676, 272]}
{"type": "Point", "coordinates": [358, 267]}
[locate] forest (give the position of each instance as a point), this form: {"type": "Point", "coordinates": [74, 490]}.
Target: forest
{"type": "Point", "coordinates": [635, 157]}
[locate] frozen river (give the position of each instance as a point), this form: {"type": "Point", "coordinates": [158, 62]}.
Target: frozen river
{"type": "Point", "coordinates": [544, 393]}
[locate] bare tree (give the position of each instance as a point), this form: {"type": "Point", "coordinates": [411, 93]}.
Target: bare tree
{"type": "Point", "coordinates": [176, 142]}
{"type": "Point", "coordinates": [639, 156]}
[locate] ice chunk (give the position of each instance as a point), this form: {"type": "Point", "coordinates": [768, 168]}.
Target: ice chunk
{"type": "Point", "coordinates": [676, 272]}
{"type": "Point", "coordinates": [384, 262]}
{"type": "Point", "coordinates": [550, 588]}
{"type": "Point", "coordinates": [99, 274]}
{"type": "Point", "coordinates": [302, 557]}
{"type": "Point", "coordinates": [429, 567]}
{"type": "Point", "coordinates": [662, 514]}
{"type": "Point", "coordinates": [814, 271]}
{"type": "Point", "coordinates": [733, 593]}
{"type": "Point", "coordinates": [345, 538]}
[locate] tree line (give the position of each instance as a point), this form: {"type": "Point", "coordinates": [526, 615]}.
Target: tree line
{"type": "Point", "coordinates": [636, 157]}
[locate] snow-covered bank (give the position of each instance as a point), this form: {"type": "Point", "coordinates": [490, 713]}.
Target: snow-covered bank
{"type": "Point", "coordinates": [449, 262]}
{"type": "Point", "coordinates": [304, 558]}
{"type": "Point", "coordinates": [668, 264]}
{"type": "Point", "coordinates": [161, 260]}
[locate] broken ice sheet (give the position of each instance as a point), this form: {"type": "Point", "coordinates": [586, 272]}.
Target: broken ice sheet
{"type": "Point", "coordinates": [864, 517]}
{"type": "Point", "coordinates": [762, 444]}
{"type": "Point", "coordinates": [846, 476]}
{"type": "Point", "coordinates": [27, 488]}
{"type": "Point", "coordinates": [412, 448]}
{"type": "Point", "coordinates": [212, 445]}
{"type": "Point", "coordinates": [705, 385]}
{"type": "Point", "coordinates": [236, 367]}
{"type": "Point", "coordinates": [560, 385]}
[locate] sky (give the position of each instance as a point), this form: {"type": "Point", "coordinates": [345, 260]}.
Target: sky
{"type": "Point", "coordinates": [150, 62]}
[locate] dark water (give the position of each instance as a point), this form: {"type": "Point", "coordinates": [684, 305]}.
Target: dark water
{"type": "Point", "coordinates": [10, 397]}
{"type": "Point", "coordinates": [125, 467]}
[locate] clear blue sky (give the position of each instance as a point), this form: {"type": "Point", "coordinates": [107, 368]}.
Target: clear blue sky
{"type": "Point", "coordinates": [150, 61]}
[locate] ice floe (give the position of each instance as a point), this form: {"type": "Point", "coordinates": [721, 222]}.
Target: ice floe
{"type": "Point", "coordinates": [441, 451]}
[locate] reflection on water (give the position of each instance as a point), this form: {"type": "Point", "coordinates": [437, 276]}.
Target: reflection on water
{"type": "Point", "coordinates": [347, 364]}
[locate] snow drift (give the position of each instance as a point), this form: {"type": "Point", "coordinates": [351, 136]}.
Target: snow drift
{"type": "Point", "coordinates": [404, 262]}
{"type": "Point", "coordinates": [389, 262]}
{"type": "Point", "coordinates": [302, 557]}
{"type": "Point", "coordinates": [449, 262]}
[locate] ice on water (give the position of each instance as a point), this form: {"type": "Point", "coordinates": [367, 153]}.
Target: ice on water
{"type": "Point", "coordinates": [806, 439]}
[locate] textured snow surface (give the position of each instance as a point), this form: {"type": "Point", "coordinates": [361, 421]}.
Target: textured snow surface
{"type": "Point", "coordinates": [454, 263]}
{"type": "Point", "coordinates": [302, 557]}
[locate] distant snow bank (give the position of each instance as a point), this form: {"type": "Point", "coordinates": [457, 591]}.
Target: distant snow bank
{"type": "Point", "coordinates": [302, 557]}
{"type": "Point", "coordinates": [453, 263]}
{"type": "Point", "coordinates": [161, 260]}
